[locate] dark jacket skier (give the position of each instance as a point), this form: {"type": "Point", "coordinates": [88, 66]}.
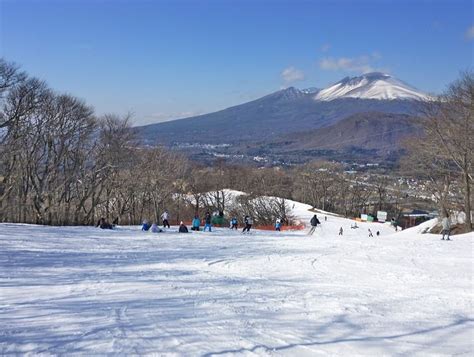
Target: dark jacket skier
{"type": "Point", "coordinates": [248, 224]}
{"type": "Point", "coordinates": [314, 223]}
{"type": "Point", "coordinates": [207, 222]}
{"type": "Point", "coordinates": [183, 228]}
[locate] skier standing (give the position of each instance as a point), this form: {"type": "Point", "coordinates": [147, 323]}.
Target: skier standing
{"type": "Point", "coordinates": [248, 224]}
{"type": "Point", "coordinates": [165, 216]}
{"type": "Point", "coordinates": [207, 222]}
{"type": "Point", "coordinates": [196, 223]}
{"type": "Point", "coordinates": [370, 233]}
{"type": "Point", "coordinates": [233, 223]}
{"type": "Point", "coordinates": [314, 223]}
{"type": "Point", "coordinates": [341, 231]}
{"type": "Point", "coordinates": [278, 225]}
{"type": "Point", "coordinates": [446, 227]}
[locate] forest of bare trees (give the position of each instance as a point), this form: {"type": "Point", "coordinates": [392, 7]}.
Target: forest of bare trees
{"type": "Point", "coordinates": [62, 164]}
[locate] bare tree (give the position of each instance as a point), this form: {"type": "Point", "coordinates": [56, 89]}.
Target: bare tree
{"type": "Point", "coordinates": [447, 146]}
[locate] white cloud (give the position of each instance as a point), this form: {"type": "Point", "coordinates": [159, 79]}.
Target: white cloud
{"type": "Point", "coordinates": [362, 64]}
{"type": "Point", "coordinates": [292, 74]}
{"type": "Point", "coordinates": [470, 33]}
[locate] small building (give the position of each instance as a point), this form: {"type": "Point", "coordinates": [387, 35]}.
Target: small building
{"type": "Point", "coordinates": [414, 218]}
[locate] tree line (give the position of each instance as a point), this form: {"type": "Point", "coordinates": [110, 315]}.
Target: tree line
{"type": "Point", "coordinates": [62, 164]}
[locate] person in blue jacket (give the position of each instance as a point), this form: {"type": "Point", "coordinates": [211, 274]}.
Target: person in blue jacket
{"type": "Point", "coordinates": [233, 223]}
{"type": "Point", "coordinates": [278, 225]}
{"type": "Point", "coordinates": [196, 223]}
{"type": "Point", "coordinates": [146, 226]}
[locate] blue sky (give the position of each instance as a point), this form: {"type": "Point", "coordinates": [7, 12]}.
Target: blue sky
{"type": "Point", "coordinates": [170, 59]}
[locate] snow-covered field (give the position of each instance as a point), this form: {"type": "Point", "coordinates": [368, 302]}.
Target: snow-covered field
{"type": "Point", "coordinates": [81, 290]}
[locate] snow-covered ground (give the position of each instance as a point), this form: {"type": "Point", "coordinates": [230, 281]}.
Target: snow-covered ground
{"type": "Point", "coordinates": [82, 290]}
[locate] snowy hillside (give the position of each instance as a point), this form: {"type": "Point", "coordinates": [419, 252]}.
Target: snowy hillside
{"type": "Point", "coordinates": [86, 291]}
{"type": "Point", "coordinates": [373, 85]}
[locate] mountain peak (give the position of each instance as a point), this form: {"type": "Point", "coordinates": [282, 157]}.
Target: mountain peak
{"type": "Point", "coordinates": [373, 85]}
{"type": "Point", "coordinates": [289, 93]}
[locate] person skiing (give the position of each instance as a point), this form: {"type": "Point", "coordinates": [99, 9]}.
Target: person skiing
{"type": "Point", "coordinates": [145, 226]}
{"type": "Point", "coordinates": [370, 233]}
{"type": "Point", "coordinates": [233, 223]}
{"type": "Point", "coordinates": [278, 225]}
{"type": "Point", "coordinates": [195, 223]}
{"type": "Point", "coordinates": [314, 223]}
{"type": "Point", "coordinates": [377, 233]}
{"type": "Point", "coordinates": [182, 228]}
{"type": "Point", "coordinates": [341, 231]}
{"type": "Point", "coordinates": [248, 224]}
{"type": "Point", "coordinates": [164, 217]}
{"type": "Point", "coordinates": [207, 222]}
{"type": "Point", "coordinates": [446, 224]}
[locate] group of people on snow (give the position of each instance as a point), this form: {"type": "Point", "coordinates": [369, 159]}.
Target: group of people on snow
{"type": "Point", "coordinates": [314, 222]}
{"type": "Point", "coordinates": [196, 224]}
{"type": "Point", "coordinates": [248, 222]}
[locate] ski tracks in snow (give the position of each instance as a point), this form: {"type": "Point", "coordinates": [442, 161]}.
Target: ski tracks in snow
{"type": "Point", "coordinates": [84, 291]}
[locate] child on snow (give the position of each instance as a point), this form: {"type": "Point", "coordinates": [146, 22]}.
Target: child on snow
{"type": "Point", "coordinates": [146, 226]}
{"type": "Point", "coordinates": [155, 229]}
{"type": "Point", "coordinates": [182, 228]}
{"type": "Point", "coordinates": [278, 225]}
{"type": "Point", "coordinates": [196, 223]}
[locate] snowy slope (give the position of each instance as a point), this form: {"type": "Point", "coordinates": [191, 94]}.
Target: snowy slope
{"type": "Point", "coordinates": [373, 85]}
{"type": "Point", "coordinates": [86, 291]}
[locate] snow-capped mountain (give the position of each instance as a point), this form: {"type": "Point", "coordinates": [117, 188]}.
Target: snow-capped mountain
{"type": "Point", "coordinates": [370, 103]}
{"type": "Point", "coordinates": [373, 85]}
{"type": "Point", "coordinates": [310, 90]}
